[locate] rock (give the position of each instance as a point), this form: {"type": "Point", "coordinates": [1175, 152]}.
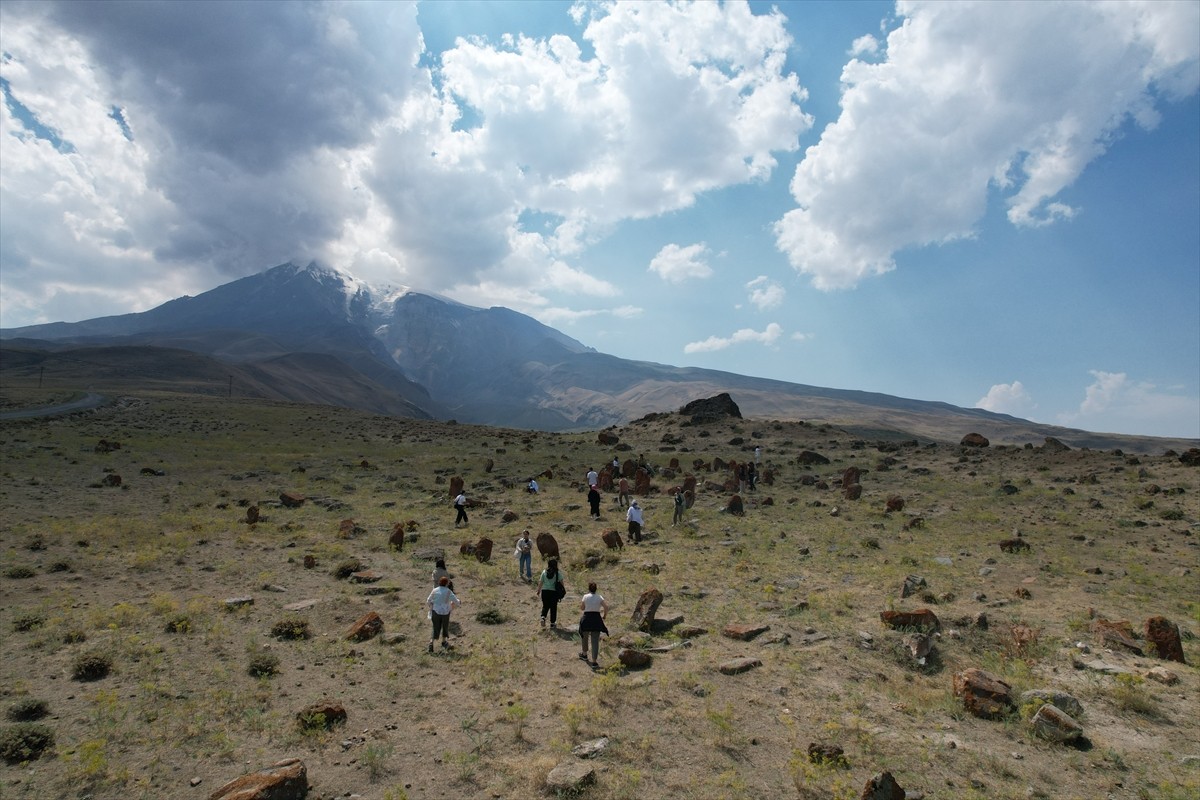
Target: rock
{"type": "Point", "coordinates": [396, 540]}
{"type": "Point", "coordinates": [326, 712]}
{"type": "Point", "coordinates": [744, 632]}
{"type": "Point", "coordinates": [284, 780]}
{"type": "Point", "coordinates": [825, 753]}
{"type": "Point", "coordinates": [974, 440]}
{"type": "Point", "coordinates": [456, 486]}
{"type": "Point", "coordinates": [711, 409]}
{"type": "Point", "coordinates": [291, 499]}
{"type": "Point", "coordinates": [112, 479]}
{"type": "Point", "coordinates": [569, 778]}
{"type": "Point", "coordinates": [612, 539]}
{"type": "Point", "coordinates": [895, 503]}
{"type": "Point", "coordinates": [365, 576]}
{"type": "Point", "coordinates": [1163, 676]}
{"type": "Point", "coordinates": [590, 749]}
{"type": "Point", "coordinates": [853, 491]}
{"type": "Point", "coordinates": [912, 584]}
{"type": "Point", "coordinates": [483, 549]}
{"type": "Point", "coordinates": [300, 605]}
{"type": "Point", "coordinates": [1053, 445]}
{"type": "Point", "coordinates": [983, 694]}
{"type": "Point", "coordinates": [1014, 545]}
{"type": "Point", "coordinates": [310, 562]}
{"type": "Point", "coordinates": [547, 545]}
{"type": "Point", "coordinates": [738, 666]}
{"type": "Point", "coordinates": [1051, 722]}
{"type": "Point", "coordinates": [348, 529]}
{"type": "Point", "coordinates": [252, 515]}
{"type": "Point", "coordinates": [809, 458]}
{"type": "Point", "coordinates": [1064, 701]}
{"type": "Point", "coordinates": [922, 619]}
{"type": "Point", "coordinates": [920, 645]}
{"type": "Point", "coordinates": [647, 605]}
{"type": "Point", "coordinates": [1116, 633]}
{"type": "Point", "coordinates": [1191, 457]}
{"type": "Point", "coordinates": [1164, 635]}
{"type": "Point", "coordinates": [882, 787]}
{"type": "Point", "coordinates": [1097, 665]}
{"type": "Point", "coordinates": [634, 659]}
{"type": "Point", "coordinates": [509, 516]}
{"type": "Point", "coordinates": [607, 439]}
{"type": "Point", "coordinates": [735, 506]}
{"type": "Point", "coordinates": [238, 602]}
{"type": "Point", "coordinates": [368, 626]}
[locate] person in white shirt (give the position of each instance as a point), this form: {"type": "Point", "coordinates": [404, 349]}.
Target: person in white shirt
{"type": "Point", "coordinates": [591, 624]}
{"type": "Point", "coordinates": [525, 556]}
{"type": "Point", "coordinates": [460, 505]}
{"type": "Point", "coordinates": [440, 601]}
{"type": "Point", "coordinates": [593, 478]}
{"type": "Point", "coordinates": [634, 517]}
{"type": "Point", "coordinates": [532, 488]}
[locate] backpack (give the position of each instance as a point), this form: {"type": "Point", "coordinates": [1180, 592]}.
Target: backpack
{"type": "Point", "coordinates": [560, 589]}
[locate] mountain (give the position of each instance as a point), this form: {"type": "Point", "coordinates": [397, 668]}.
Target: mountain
{"type": "Point", "coordinates": [314, 334]}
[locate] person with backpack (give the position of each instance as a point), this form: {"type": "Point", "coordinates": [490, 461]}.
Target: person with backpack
{"type": "Point", "coordinates": [552, 587]}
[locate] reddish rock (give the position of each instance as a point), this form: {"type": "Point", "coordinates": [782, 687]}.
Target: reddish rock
{"type": "Point", "coordinates": [738, 665]}
{"type": "Point", "coordinates": [365, 576]}
{"type": "Point", "coordinates": [291, 499]}
{"type": "Point", "coordinates": [974, 440]}
{"type": "Point", "coordinates": [826, 753]}
{"type": "Point", "coordinates": [1051, 722]}
{"type": "Point", "coordinates": [284, 780]}
{"type": "Point", "coordinates": [483, 549]}
{"type": "Point", "coordinates": [673, 464]}
{"type": "Point", "coordinates": [606, 480]}
{"type": "Point", "coordinates": [922, 619]}
{"type": "Point", "coordinates": [641, 482]}
{"type": "Point", "coordinates": [1117, 633]}
{"type": "Point", "coordinates": [719, 465]}
{"type": "Point", "coordinates": [509, 516]}
{"type": "Point", "coordinates": [736, 506]}
{"type": "Point", "coordinates": [111, 479]}
{"type": "Point", "coordinates": [853, 491]}
{"type": "Point", "coordinates": [768, 501]}
{"type": "Point", "coordinates": [689, 486]}
{"type": "Point", "coordinates": [1191, 457]}
{"type": "Point", "coordinates": [396, 540]}
{"type": "Point", "coordinates": [634, 659]}
{"type": "Point", "coordinates": [252, 515]}
{"type": "Point", "coordinates": [612, 539]}
{"type": "Point", "coordinates": [1014, 545]}
{"type": "Point", "coordinates": [983, 694]}
{"type": "Point", "coordinates": [882, 787]}
{"type": "Point", "coordinates": [647, 606]}
{"type": "Point", "coordinates": [851, 476]}
{"type": "Point", "coordinates": [310, 562]}
{"type": "Point", "coordinates": [489, 465]}
{"type": "Point", "coordinates": [368, 626]}
{"type": "Point", "coordinates": [700, 464]}
{"type": "Point", "coordinates": [743, 632]}
{"type": "Point", "coordinates": [809, 457]}
{"type": "Point", "coordinates": [895, 503]}
{"type": "Point", "coordinates": [348, 529]}
{"type": "Point", "coordinates": [629, 468]}
{"type": "Point", "coordinates": [1164, 635]}
{"type": "Point", "coordinates": [607, 439]}
{"type": "Point", "coordinates": [456, 486]}
{"type": "Point", "coordinates": [328, 712]}
{"type": "Point", "coordinates": [547, 545]}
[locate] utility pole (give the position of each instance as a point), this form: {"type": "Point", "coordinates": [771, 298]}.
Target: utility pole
{"type": "Point", "coordinates": [231, 386]}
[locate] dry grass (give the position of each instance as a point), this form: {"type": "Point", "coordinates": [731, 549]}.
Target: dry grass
{"type": "Point", "coordinates": [139, 575]}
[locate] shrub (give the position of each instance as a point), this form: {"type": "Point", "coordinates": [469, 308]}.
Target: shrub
{"type": "Point", "coordinates": [59, 566]}
{"type": "Point", "coordinates": [25, 741]}
{"type": "Point", "coordinates": [347, 568]}
{"type": "Point", "coordinates": [27, 622]}
{"type": "Point", "coordinates": [490, 616]}
{"type": "Point", "coordinates": [74, 636]}
{"type": "Point", "coordinates": [291, 628]}
{"type": "Point", "coordinates": [27, 710]}
{"type": "Point", "coordinates": [264, 665]}
{"type": "Point", "coordinates": [180, 623]}
{"type": "Point", "coordinates": [91, 667]}
{"type": "Point", "coordinates": [19, 572]}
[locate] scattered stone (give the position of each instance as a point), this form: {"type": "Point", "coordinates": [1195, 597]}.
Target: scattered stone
{"type": "Point", "coordinates": [238, 602]}
{"type": "Point", "coordinates": [882, 787]}
{"type": "Point", "coordinates": [982, 693]}
{"type": "Point", "coordinates": [483, 549]}
{"type": "Point", "coordinates": [826, 753]}
{"type": "Point", "coordinates": [1014, 545]}
{"type": "Point", "coordinates": [590, 749]}
{"type": "Point", "coordinates": [1064, 701]}
{"type": "Point", "coordinates": [895, 503]}
{"type": "Point", "coordinates": [922, 619]}
{"type": "Point", "coordinates": [974, 440]}
{"type": "Point", "coordinates": [300, 605]}
{"type": "Point", "coordinates": [920, 645]}
{"type": "Point", "coordinates": [1051, 722]}
{"type": "Point", "coordinates": [912, 584]}
{"type": "Point", "coordinates": [1164, 635]}
{"type": "Point", "coordinates": [284, 780]}
{"type": "Point", "coordinates": [368, 626]}
{"type": "Point", "coordinates": [744, 631]}
{"type": "Point", "coordinates": [1117, 634]}
{"type": "Point", "coordinates": [612, 539]}
{"type": "Point", "coordinates": [634, 659]}
{"type": "Point", "coordinates": [252, 515]}
{"type": "Point", "coordinates": [1163, 676]}
{"type": "Point", "coordinates": [809, 457]}
{"type": "Point", "coordinates": [324, 714]}
{"type": "Point", "coordinates": [291, 499]}
{"type": "Point", "coordinates": [365, 576]}
{"type": "Point", "coordinates": [738, 665]}
{"type": "Point", "coordinates": [569, 778]}
{"type": "Point", "coordinates": [1097, 665]}
{"type": "Point", "coordinates": [396, 540]}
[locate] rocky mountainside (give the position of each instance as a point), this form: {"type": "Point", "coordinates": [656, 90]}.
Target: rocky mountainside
{"type": "Point", "coordinates": [314, 334]}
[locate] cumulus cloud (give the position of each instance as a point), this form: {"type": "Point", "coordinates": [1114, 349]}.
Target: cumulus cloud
{"type": "Point", "coordinates": [970, 98]}
{"type": "Point", "coordinates": [864, 46]}
{"type": "Point", "coordinates": [1115, 402]}
{"type": "Point", "coordinates": [676, 264]}
{"type": "Point", "coordinates": [765, 293]}
{"type": "Point", "coordinates": [767, 336]}
{"type": "Point", "coordinates": [1007, 398]}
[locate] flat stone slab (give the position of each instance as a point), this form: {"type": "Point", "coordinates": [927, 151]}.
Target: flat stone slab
{"type": "Point", "coordinates": [738, 665]}
{"type": "Point", "coordinates": [365, 576]}
{"type": "Point", "coordinates": [1097, 665]}
{"type": "Point", "coordinates": [300, 605]}
{"type": "Point", "coordinates": [239, 602]}
{"type": "Point", "coordinates": [570, 776]}
{"type": "Point", "coordinates": [590, 749]}
{"type": "Point", "coordinates": [744, 632]}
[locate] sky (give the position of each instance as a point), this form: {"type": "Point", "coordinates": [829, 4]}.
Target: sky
{"type": "Point", "coordinates": [989, 204]}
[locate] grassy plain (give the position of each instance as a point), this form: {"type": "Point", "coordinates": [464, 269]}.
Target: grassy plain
{"type": "Point", "coordinates": [137, 576]}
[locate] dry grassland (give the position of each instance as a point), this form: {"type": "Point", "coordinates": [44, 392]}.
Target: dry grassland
{"type": "Point", "coordinates": [138, 575]}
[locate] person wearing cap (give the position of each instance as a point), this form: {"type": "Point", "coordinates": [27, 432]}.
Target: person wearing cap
{"type": "Point", "coordinates": [594, 501]}
{"type": "Point", "coordinates": [634, 517]}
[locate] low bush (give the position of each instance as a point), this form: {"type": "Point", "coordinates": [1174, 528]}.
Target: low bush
{"type": "Point", "coordinates": [27, 710]}
{"type": "Point", "coordinates": [91, 667]}
{"type": "Point", "coordinates": [291, 628]}
{"type": "Point", "coordinates": [25, 741]}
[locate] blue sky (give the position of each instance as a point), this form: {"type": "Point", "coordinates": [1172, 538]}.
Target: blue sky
{"type": "Point", "coordinates": [987, 204]}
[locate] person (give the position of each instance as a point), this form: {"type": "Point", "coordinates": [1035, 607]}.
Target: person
{"type": "Point", "coordinates": [679, 505]}
{"type": "Point", "coordinates": [525, 556]}
{"type": "Point", "coordinates": [532, 488]}
{"type": "Point", "coordinates": [440, 571]}
{"type": "Point", "coordinates": [440, 601]}
{"type": "Point", "coordinates": [622, 493]}
{"type": "Point", "coordinates": [634, 517]}
{"type": "Point", "coordinates": [548, 586]}
{"type": "Point", "coordinates": [592, 477]}
{"type": "Point", "coordinates": [591, 624]}
{"type": "Point", "coordinates": [741, 476]}
{"type": "Point", "coordinates": [751, 476]}
{"type": "Point", "coordinates": [757, 454]}
{"type": "Point", "coordinates": [616, 465]}
{"type": "Point", "coordinates": [460, 504]}
{"type": "Point", "coordinates": [594, 501]}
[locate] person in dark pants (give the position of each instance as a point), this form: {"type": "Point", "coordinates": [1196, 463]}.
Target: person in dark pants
{"type": "Point", "coordinates": [591, 624]}
{"type": "Point", "coordinates": [594, 501]}
{"type": "Point", "coordinates": [440, 601]}
{"type": "Point", "coordinates": [460, 505]}
{"type": "Point", "coordinates": [548, 586]}
{"type": "Point", "coordinates": [634, 517]}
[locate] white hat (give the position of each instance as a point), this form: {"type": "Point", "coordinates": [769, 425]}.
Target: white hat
{"type": "Point", "coordinates": [634, 503]}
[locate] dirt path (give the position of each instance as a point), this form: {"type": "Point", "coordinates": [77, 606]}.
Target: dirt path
{"type": "Point", "coordinates": [88, 401]}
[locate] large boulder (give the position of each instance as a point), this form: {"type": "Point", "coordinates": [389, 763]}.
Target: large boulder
{"type": "Point", "coordinates": [975, 440]}
{"type": "Point", "coordinates": [983, 694]}
{"type": "Point", "coordinates": [921, 619]}
{"type": "Point", "coordinates": [612, 539]}
{"type": "Point", "coordinates": [711, 409]}
{"type": "Point", "coordinates": [368, 626]}
{"type": "Point", "coordinates": [483, 549]}
{"type": "Point", "coordinates": [647, 606]}
{"type": "Point", "coordinates": [547, 545]}
{"type": "Point", "coordinates": [1164, 635]}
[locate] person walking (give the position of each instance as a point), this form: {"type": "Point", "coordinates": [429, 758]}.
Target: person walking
{"type": "Point", "coordinates": [679, 506]}
{"type": "Point", "coordinates": [460, 505]}
{"type": "Point", "coordinates": [440, 571]}
{"type": "Point", "coordinates": [525, 556]}
{"type": "Point", "coordinates": [440, 601]}
{"type": "Point", "coordinates": [622, 493]}
{"type": "Point", "coordinates": [548, 583]}
{"type": "Point", "coordinates": [594, 501]}
{"type": "Point", "coordinates": [751, 476]}
{"type": "Point", "coordinates": [634, 517]}
{"type": "Point", "coordinates": [591, 624]}
{"type": "Point", "coordinates": [593, 477]}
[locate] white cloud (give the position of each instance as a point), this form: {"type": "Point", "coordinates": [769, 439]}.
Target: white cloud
{"type": "Point", "coordinates": [1015, 96]}
{"type": "Point", "coordinates": [1114, 402]}
{"type": "Point", "coordinates": [802, 337]}
{"type": "Point", "coordinates": [1007, 398]}
{"type": "Point", "coordinates": [765, 293]}
{"type": "Point", "coordinates": [676, 264]}
{"type": "Point", "coordinates": [864, 46]}
{"type": "Point", "coordinates": [767, 336]}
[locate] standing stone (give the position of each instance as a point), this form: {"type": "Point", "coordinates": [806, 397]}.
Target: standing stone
{"type": "Point", "coordinates": [547, 545]}
{"type": "Point", "coordinates": [1051, 722]}
{"type": "Point", "coordinates": [252, 515]}
{"type": "Point", "coordinates": [736, 506]}
{"type": "Point", "coordinates": [396, 540]}
{"type": "Point", "coordinates": [612, 539]}
{"type": "Point", "coordinates": [456, 486]}
{"type": "Point", "coordinates": [368, 626]}
{"type": "Point", "coordinates": [483, 549]}
{"type": "Point", "coordinates": [853, 491]}
{"type": "Point", "coordinates": [851, 476]}
{"type": "Point", "coordinates": [647, 605]}
{"type": "Point", "coordinates": [1164, 635]}
{"type": "Point", "coordinates": [641, 483]}
{"type": "Point", "coordinates": [284, 780]}
{"type": "Point", "coordinates": [882, 787]}
{"type": "Point", "coordinates": [912, 585]}
{"type": "Point", "coordinates": [922, 618]}
{"type": "Point", "coordinates": [983, 694]}
{"type": "Point", "coordinates": [895, 503]}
